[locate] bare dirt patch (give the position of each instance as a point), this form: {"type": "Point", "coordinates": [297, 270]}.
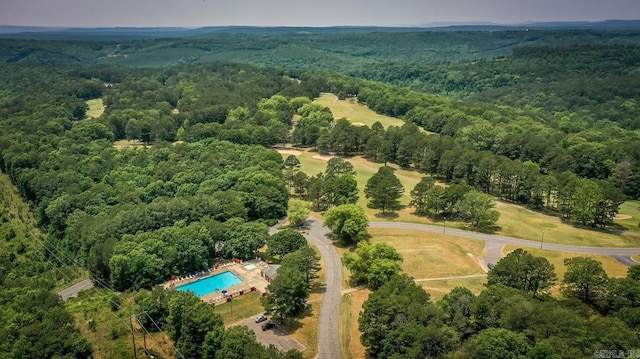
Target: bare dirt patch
{"type": "Point", "coordinates": [622, 216]}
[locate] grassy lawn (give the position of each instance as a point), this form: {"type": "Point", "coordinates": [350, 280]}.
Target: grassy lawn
{"type": "Point", "coordinates": [304, 328]}
{"type": "Point", "coordinates": [356, 113]}
{"type": "Point", "coordinates": [439, 288]}
{"type": "Point", "coordinates": [350, 308]}
{"type": "Point", "coordinates": [611, 266]}
{"type": "Point", "coordinates": [96, 108]}
{"type": "Point", "coordinates": [431, 255]}
{"type": "Point", "coordinates": [517, 221]}
{"type": "Point", "coordinates": [244, 306]}
{"type": "Point", "coordinates": [629, 216]}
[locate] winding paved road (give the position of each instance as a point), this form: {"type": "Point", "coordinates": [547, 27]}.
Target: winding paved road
{"type": "Point", "coordinates": [329, 318]}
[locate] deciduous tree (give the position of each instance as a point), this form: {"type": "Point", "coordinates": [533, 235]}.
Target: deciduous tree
{"type": "Point", "coordinates": [373, 265]}
{"type": "Point", "coordinates": [286, 294]}
{"type": "Point", "coordinates": [347, 222]}
{"type": "Point", "coordinates": [477, 208]}
{"type": "Point", "coordinates": [284, 242]}
{"type": "Point", "coordinates": [298, 212]}
{"type": "Point", "coordinates": [304, 260]}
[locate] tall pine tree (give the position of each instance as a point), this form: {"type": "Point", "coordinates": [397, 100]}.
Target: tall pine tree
{"type": "Point", "coordinates": [384, 190]}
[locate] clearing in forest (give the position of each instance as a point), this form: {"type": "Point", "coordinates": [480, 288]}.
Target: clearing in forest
{"type": "Point", "coordinates": [358, 114]}
{"type": "Point", "coordinates": [96, 108]}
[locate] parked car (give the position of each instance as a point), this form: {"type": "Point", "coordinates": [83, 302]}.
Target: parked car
{"type": "Point", "coordinates": [261, 318]}
{"type": "Point", "coordinates": [267, 326]}
{"type": "Point", "coordinates": [490, 265]}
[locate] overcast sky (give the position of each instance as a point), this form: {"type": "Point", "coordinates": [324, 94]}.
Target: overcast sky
{"type": "Point", "coordinates": [193, 13]}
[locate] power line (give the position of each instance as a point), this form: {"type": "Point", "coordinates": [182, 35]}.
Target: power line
{"type": "Point", "coordinates": [101, 283]}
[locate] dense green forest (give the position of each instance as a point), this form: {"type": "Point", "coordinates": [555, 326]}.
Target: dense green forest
{"type": "Point", "coordinates": [547, 119]}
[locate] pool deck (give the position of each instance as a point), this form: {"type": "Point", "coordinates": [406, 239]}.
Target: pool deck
{"type": "Point", "coordinates": [250, 278]}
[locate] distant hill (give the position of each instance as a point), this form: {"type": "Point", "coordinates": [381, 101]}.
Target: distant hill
{"type": "Point", "coordinates": [122, 33]}
{"type": "Point", "coordinates": [139, 33]}
{"type": "Point", "coordinates": [9, 29]}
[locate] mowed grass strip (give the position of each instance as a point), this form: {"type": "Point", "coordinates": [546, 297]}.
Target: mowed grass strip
{"type": "Point", "coordinates": [431, 255]}
{"type": "Point", "coordinates": [355, 112]}
{"type": "Point", "coordinates": [350, 308]}
{"type": "Point", "coordinates": [520, 222]}
{"type": "Point", "coordinates": [613, 268]}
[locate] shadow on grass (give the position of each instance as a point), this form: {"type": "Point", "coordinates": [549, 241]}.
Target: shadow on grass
{"type": "Point", "coordinates": [291, 325]}
{"type": "Point", "coordinates": [610, 229]}
{"type": "Point", "coordinates": [318, 288]}
{"type": "Point", "coordinates": [388, 215]}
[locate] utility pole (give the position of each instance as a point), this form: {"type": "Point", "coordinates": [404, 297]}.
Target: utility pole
{"type": "Point", "coordinates": [144, 339]}
{"type": "Point", "coordinates": [444, 225]}
{"type": "Point", "coordinates": [542, 241]}
{"type": "Point", "coordinates": [133, 338]}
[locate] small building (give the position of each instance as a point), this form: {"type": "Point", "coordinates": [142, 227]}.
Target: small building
{"type": "Point", "coordinates": [270, 272]}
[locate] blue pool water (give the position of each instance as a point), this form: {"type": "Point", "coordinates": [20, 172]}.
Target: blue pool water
{"type": "Point", "coordinates": [211, 284]}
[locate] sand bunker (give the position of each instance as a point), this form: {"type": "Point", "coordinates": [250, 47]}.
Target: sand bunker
{"type": "Point", "coordinates": [622, 216]}
{"type": "Point", "coordinates": [358, 124]}
{"type": "Point", "coordinates": [290, 152]}
{"type": "Point", "coordinates": [322, 157]}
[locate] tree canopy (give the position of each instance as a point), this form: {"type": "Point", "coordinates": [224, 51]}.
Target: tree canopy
{"type": "Point", "coordinates": [373, 265]}
{"type": "Point", "coordinates": [348, 223]}
{"type": "Point", "coordinates": [284, 242]}
{"type": "Point", "coordinates": [384, 190]}
{"type": "Point", "coordinates": [521, 270]}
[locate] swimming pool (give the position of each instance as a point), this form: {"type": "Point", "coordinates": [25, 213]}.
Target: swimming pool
{"type": "Point", "coordinates": [211, 284]}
